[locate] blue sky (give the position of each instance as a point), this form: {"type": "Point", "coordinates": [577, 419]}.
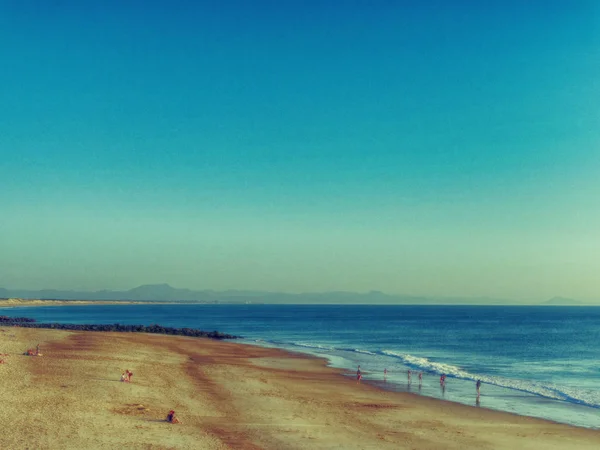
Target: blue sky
{"type": "Point", "coordinates": [438, 148]}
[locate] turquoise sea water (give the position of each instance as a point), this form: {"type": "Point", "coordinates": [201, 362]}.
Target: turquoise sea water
{"type": "Point", "coordinates": [537, 361]}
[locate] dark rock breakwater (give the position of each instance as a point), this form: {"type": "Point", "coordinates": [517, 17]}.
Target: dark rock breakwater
{"type": "Point", "coordinates": [25, 322]}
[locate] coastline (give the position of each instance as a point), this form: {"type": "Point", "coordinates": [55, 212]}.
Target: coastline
{"type": "Point", "coordinates": [228, 395]}
{"type": "Point", "coordinates": [18, 302]}
{"type": "Point", "coordinates": [568, 404]}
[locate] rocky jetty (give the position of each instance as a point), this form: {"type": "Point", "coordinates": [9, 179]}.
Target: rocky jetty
{"type": "Point", "coordinates": [25, 322]}
{"type": "Point", "coordinates": [5, 320]}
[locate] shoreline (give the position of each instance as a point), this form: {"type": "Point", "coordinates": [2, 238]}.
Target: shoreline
{"type": "Point", "coordinates": [21, 302]}
{"type": "Point", "coordinates": [229, 395]}
{"type": "Point", "coordinates": [380, 385]}
{"type": "Point", "coordinates": [495, 397]}
{"type": "Point", "coordinates": [398, 388]}
{"type": "Point", "coordinates": [525, 403]}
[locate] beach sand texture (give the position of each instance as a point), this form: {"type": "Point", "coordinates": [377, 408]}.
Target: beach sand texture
{"type": "Point", "coordinates": [227, 395]}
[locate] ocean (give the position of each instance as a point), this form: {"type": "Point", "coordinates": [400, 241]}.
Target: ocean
{"type": "Point", "coordinates": [535, 361]}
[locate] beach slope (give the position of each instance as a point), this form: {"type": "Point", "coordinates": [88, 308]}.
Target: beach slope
{"type": "Point", "coordinates": [227, 395]}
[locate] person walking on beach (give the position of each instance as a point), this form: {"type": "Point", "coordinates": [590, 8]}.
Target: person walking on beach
{"type": "Point", "coordinates": [443, 380]}
{"type": "Point", "coordinates": [384, 374]}
{"type": "Point", "coordinates": [420, 377]}
{"type": "Point", "coordinates": [478, 386]}
{"type": "Point", "coordinates": [358, 375]}
{"type": "Point", "coordinates": [408, 374]}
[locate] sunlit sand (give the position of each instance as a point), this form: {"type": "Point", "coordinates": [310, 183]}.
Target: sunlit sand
{"type": "Point", "coordinates": [227, 395]}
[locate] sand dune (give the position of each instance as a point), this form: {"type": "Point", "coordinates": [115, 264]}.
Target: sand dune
{"type": "Point", "coordinates": [228, 396]}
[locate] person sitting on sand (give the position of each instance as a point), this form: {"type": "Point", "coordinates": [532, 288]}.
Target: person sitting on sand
{"type": "Point", "coordinates": [129, 374]}
{"type": "Point", "coordinates": [171, 417]}
{"type": "Point", "coordinates": [124, 377]}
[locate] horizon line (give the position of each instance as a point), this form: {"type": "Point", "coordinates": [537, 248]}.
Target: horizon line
{"type": "Point", "coordinates": [556, 298]}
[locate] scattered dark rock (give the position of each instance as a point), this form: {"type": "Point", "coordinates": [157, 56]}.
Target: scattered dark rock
{"type": "Point", "coordinates": [9, 320]}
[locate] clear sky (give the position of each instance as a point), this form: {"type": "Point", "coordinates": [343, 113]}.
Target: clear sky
{"type": "Point", "coordinates": [429, 148]}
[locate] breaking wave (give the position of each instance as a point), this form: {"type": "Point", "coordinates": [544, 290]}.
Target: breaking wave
{"type": "Point", "coordinates": [547, 390]}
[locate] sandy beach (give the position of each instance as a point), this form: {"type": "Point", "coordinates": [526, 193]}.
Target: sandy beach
{"type": "Point", "coordinates": [18, 302]}
{"type": "Point", "coordinates": [227, 395]}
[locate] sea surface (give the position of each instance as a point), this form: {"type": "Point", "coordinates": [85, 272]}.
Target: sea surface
{"type": "Point", "coordinates": [536, 361]}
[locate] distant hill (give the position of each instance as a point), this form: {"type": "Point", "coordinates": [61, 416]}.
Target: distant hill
{"type": "Point", "coordinates": [166, 293]}
{"type": "Point", "coordinates": [562, 301]}
{"type": "Point", "coordinates": [149, 292]}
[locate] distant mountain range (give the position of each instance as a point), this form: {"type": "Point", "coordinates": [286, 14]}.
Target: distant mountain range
{"type": "Point", "coordinates": [562, 301]}
{"type": "Point", "coordinates": [167, 293]}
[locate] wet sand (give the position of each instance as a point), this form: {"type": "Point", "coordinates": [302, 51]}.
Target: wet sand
{"type": "Point", "coordinates": [228, 395]}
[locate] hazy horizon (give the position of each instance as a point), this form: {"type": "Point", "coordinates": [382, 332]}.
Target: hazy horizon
{"type": "Point", "coordinates": [371, 294]}
{"type": "Point", "coordinates": [425, 149]}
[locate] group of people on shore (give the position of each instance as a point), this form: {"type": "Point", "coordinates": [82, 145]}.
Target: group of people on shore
{"type": "Point", "coordinates": [409, 374]}
{"type": "Point", "coordinates": [385, 373]}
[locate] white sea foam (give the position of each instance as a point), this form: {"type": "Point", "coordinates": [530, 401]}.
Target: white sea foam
{"type": "Point", "coordinates": [317, 346]}
{"type": "Point", "coordinates": [358, 350]}
{"type": "Point", "coordinates": [312, 345]}
{"type": "Point", "coordinates": [543, 389]}
{"type": "Point", "coordinates": [548, 390]}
